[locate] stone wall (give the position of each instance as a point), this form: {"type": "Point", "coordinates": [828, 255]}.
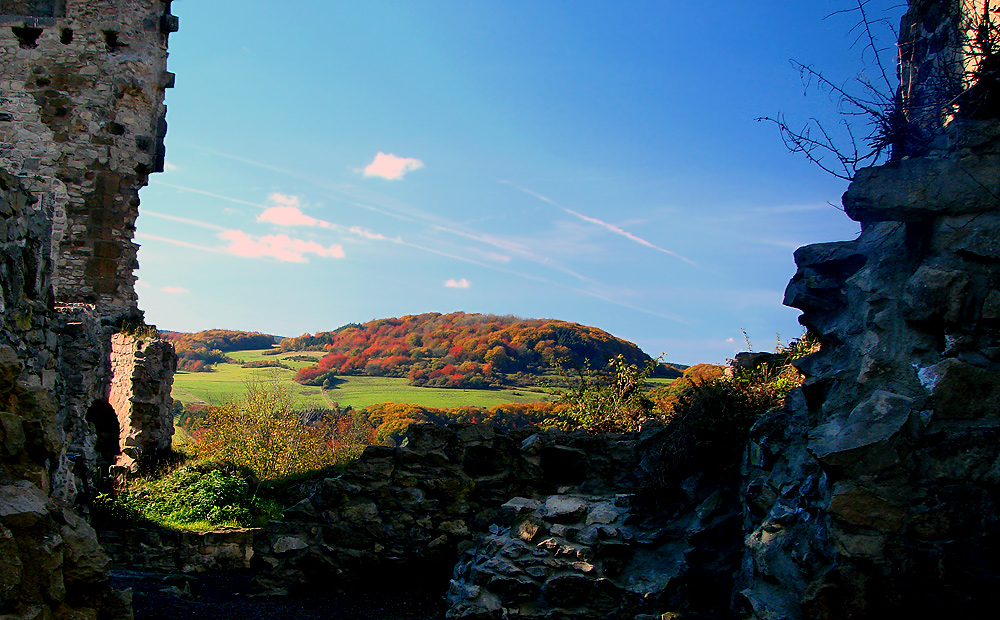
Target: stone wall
{"type": "Point", "coordinates": [142, 372]}
{"type": "Point", "coordinates": [540, 520]}
{"type": "Point", "coordinates": [82, 120]}
{"type": "Point", "coordinates": [81, 127]}
{"type": "Point", "coordinates": [51, 565]}
{"type": "Point", "coordinates": [875, 493]}
{"type": "Point", "coordinates": [81, 123]}
{"type": "Point", "coordinates": [171, 551]}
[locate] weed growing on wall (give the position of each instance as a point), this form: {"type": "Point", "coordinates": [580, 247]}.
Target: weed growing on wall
{"type": "Point", "coordinates": [710, 410]}
{"type": "Point", "coordinates": [612, 399]}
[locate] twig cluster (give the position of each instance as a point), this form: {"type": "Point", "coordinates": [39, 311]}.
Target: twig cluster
{"type": "Point", "coordinates": [880, 118]}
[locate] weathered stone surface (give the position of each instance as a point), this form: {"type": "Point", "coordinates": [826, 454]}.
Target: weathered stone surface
{"type": "Point", "coordinates": [22, 505]}
{"type": "Point", "coordinates": [70, 112]}
{"type": "Point", "coordinates": [559, 508]}
{"type": "Point", "coordinates": [865, 509]}
{"type": "Point", "coordinates": [514, 532]}
{"type": "Point", "coordinates": [921, 188]}
{"type": "Point", "coordinates": [962, 391]}
{"type": "Point", "coordinates": [170, 551]}
{"type": "Point", "coordinates": [867, 497]}
{"type": "Point", "coordinates": [142, 373]}
{"type": "Point", "coordinates": [938, 294]}
{"type": "Point", "coordinates": [586, 571]}
{"type": "Point", "coordinates": [877, 419]}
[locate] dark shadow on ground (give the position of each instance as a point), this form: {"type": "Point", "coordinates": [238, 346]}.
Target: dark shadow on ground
{"type": "Point", "coordinates": [223, 596]}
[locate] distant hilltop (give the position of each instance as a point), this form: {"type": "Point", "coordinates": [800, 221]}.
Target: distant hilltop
{"type": "Point", "coordinates": [432, 349]}
{"type": "Point", "coordinates": [464, 350]}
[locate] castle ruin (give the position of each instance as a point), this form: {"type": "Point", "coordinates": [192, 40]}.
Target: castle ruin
{"type": "Point", "coordinates": [874, 493]}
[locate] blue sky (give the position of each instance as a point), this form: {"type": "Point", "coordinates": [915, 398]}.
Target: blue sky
{"type": "Point", "coordinates": [597, 162]}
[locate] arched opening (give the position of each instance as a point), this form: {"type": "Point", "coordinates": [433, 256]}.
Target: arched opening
{"type": "Point", "coordinates": [105, 421]}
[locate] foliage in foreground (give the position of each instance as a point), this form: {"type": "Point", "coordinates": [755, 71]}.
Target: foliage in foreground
{"type": "Point", "coordinates": [708, 411]}
{"type": "Point", "coordinates": [608, 400]}
{"type": "Point", "coordinates": [264, 433]}
{"type": "Point", "coordinates": [198, 496]}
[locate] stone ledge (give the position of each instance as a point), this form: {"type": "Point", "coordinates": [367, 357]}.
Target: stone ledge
{"type": "Point", "coordinates": [918, 189]}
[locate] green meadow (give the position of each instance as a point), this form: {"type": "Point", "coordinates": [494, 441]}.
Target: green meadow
{"type": "Point", "coordinates": [227, 381]}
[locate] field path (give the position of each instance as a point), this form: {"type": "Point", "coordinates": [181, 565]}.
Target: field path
{"type": "Point", "coordinates": [326, 397]}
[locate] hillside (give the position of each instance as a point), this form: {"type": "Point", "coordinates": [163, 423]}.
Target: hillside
{"type": "Point", "coordinates": [197, 351]}
{"type": "Point", "coordinates": [462, 350]}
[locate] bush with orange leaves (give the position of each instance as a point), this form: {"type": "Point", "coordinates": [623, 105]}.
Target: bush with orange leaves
{"type": "Point", "coordinates": [264, 432]}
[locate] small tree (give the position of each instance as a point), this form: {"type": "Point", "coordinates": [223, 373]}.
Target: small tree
{"type": "Point", "coordinates": [610, 400]}
{"type": "Point", "coordinates": [263, 432]}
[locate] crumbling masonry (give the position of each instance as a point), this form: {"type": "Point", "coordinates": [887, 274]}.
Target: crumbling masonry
{"type": "Point", "coordinates": [81, 128]}
{"type": "Point", "coordinates": [82, 123]}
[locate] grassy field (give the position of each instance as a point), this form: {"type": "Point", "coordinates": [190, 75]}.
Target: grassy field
{"type": "Point", "coordinates": [227, 381]}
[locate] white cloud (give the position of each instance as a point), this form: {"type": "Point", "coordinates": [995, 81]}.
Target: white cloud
{"type": "Point", "coordinates": [389, 166]}
{"type": "Point", "coordinates": [367, 234]}
{"type": "Point", "coordinates": [279, 247]}
{"type": "Point", "coordinates": [284, 200]}
{"type": "Point", "coordinates": [175, 290]}
{"type": "Point", "coordinates": [453, 283]}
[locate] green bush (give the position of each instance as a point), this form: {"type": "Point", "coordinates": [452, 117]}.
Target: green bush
{"type": "Point", "coordinates": [609, 400]}
{"type": "Point", "coordinates": [200, 495]}
{"type": "Point", "coordinates": [709, 420]}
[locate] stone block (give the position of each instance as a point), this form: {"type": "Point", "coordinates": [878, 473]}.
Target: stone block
{"type": "Point", "coordinates": [937, 293]}
{"type": "Point", "coordinates": [875, 420]}
{"type": "Point", "coordinates": [564, 509]}
{"type": "Point", "coordinates": [920, 188]}
{"type": "Point", "coordinates": [22, 505]}
{"type": "Point", "coordinates": [961, 391]}
{"type": "Point", "coordinates": [859, 507]}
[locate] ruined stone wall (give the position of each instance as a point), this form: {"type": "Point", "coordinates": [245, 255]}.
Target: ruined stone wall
{"type": "Point", "coordinates": [51, 565]}
{"type": "Point", "coordinates": [142, 373]}
{"type": "Point", "coordinates": [525, 523]}
{"type": "Point", "coordinates": [172, 551]}
{"type": "Point", "coordinates": [82, 120]}
{"type": "Point", "coordinates": [81, 127]}
{"type": "Point", "coordinates": [931, 71]}
{"type": "Point", "coordinates": [875, 493]}
{"type": "Point", "coordinates": [82, 124]}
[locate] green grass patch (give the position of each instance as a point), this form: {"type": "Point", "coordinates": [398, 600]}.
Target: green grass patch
{"type": "Point", "coordinates": [227, 381]}
{"type": "Point", "coordinates": [198, 496]}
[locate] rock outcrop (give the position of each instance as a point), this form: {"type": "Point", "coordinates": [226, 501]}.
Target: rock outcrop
{"type": "Point", "coordinates": [874, 493]}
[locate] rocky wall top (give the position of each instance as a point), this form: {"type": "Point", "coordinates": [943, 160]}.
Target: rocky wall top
{"type": "Point", "coordinates": [82, 122]}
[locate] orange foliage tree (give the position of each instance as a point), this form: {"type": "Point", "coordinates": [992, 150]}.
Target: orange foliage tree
{"type": "Point", "coordinates": [463, 350]}
{"type": "Point", "coordinates": [263, 431]}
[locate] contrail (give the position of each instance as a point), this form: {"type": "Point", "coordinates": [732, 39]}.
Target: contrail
{"type": "Point", "coordinates": [204, 193]}
{"type": "Point", "coordinates": [183, 220]}
{"type": "Point", "coordinates": [603, 224]}
{"type": "Point", "coordinates": [183, 244]}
